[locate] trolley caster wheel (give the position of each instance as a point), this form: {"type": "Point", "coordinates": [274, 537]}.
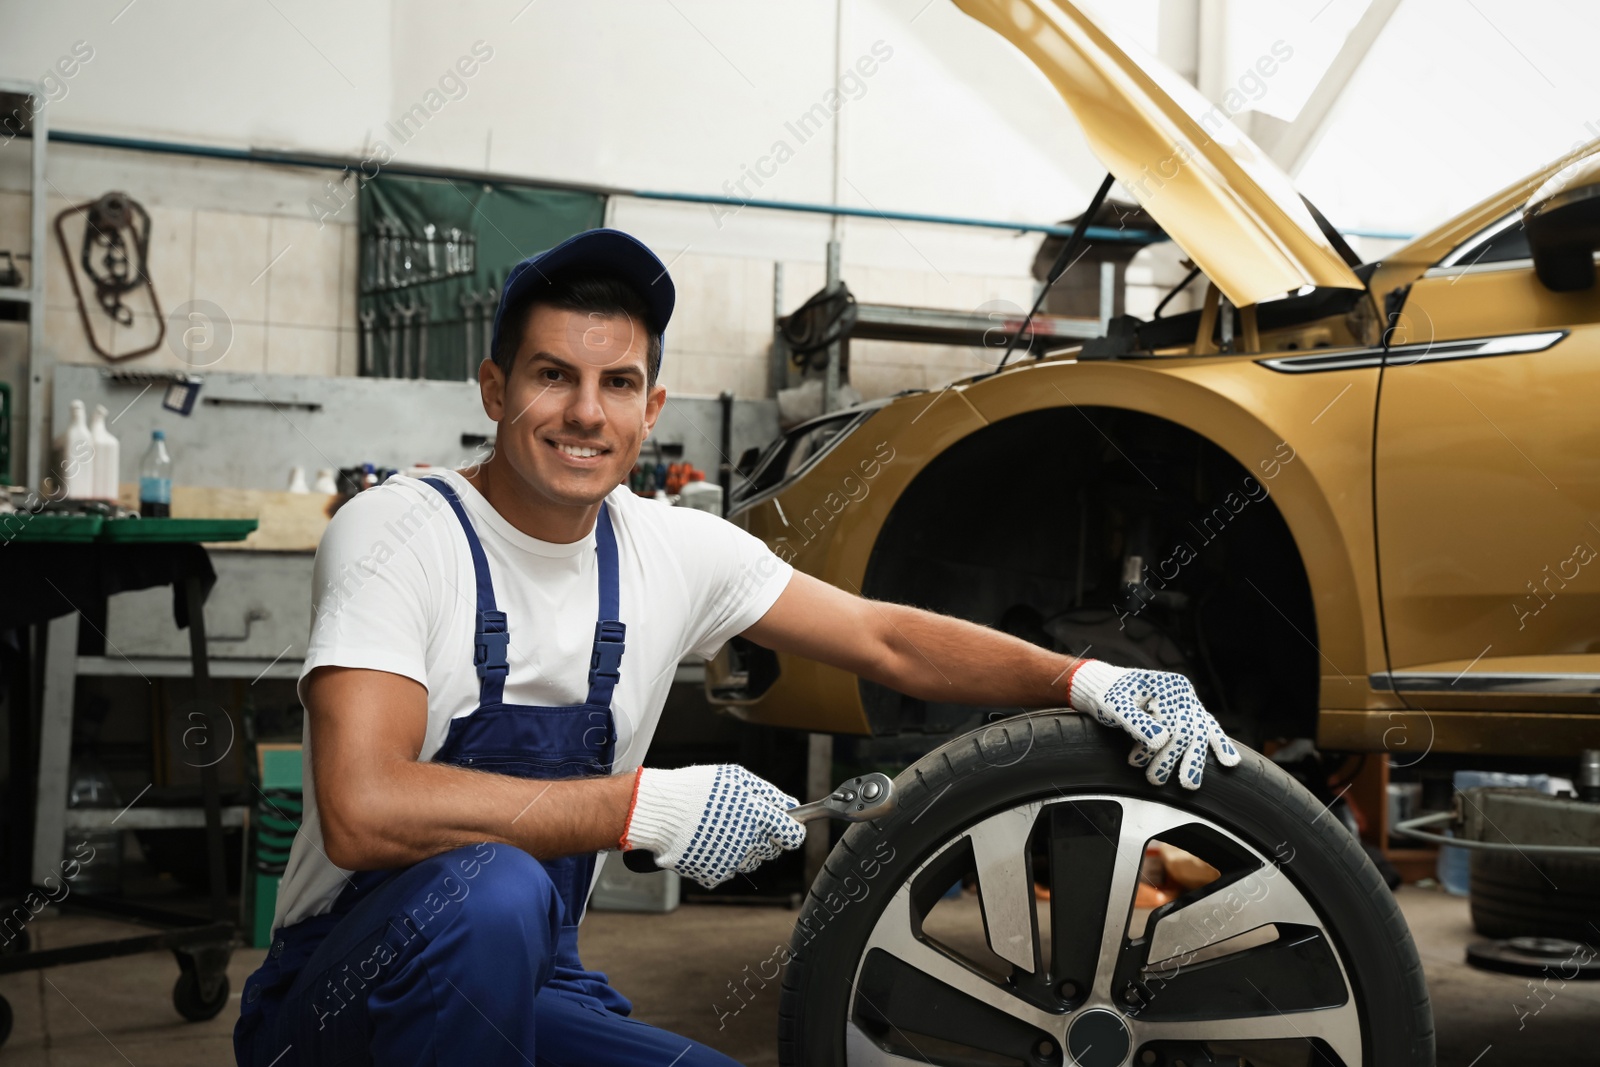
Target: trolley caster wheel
{"type": "Point", "coordinates": [5, 1020]}
{"type": "Point", "coordinates": [190, 999]}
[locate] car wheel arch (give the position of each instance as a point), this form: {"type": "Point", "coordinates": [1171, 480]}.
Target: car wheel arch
{"type": "Point", "coordinates": [1307, 518]}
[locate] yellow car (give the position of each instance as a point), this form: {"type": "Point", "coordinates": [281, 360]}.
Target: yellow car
{"type": "Point", "coordinates": [1358, 502]}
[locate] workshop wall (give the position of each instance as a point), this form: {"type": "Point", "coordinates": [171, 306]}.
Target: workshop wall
{"type": "Point", "coordinates": [252, 239]}
{"type": "Point", "coordinates": [690, 98]}
{"type": "Point", "coordinates": [216, 226]}
{"type": "Point", "coordinates": [240, 236]}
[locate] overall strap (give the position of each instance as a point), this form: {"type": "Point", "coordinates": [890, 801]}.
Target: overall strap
{"type": "Point", "coordinates": [605, 663]}
{"type": "Point", "coordinates": [490, 637]}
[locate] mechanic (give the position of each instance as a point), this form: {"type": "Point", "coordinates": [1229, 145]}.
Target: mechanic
{"type": "Point", "coordinates": [490, 652]}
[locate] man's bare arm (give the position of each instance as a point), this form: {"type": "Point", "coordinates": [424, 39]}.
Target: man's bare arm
{"type": "Point", "coordinates": [916, 652]}
{"type": "Point", "coordinates": [381, 808]}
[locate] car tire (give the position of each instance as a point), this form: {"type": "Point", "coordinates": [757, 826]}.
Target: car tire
{"type": "Point", "coordinates": [1516, 895]}
{"type": "Point", "coordinates": [1076, 772]}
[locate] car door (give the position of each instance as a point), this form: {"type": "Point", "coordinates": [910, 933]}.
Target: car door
{"type": "Point", "coordinates": [1487, 486]}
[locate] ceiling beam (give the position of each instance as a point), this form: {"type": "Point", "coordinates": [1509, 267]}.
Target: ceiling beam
{"type": "Point", "coordinates": [1293, 145]}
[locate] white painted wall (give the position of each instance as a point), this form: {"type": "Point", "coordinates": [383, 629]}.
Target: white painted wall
{"type": "Point", "coordinates": [691, 95]}
{"type": "Point", "coordinates": [1457, 98]}
{"type": "Point", "coordinates": [668, 96]}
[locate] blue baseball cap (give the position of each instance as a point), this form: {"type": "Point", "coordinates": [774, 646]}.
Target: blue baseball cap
{"type": "Point", "coordinates": [605, 252]}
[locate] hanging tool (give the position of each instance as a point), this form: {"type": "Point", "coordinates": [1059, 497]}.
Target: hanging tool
{"type": "Point", "coordinates": [452, 252]}
{"type": "Point", "coordinates": [394, 255]}
{"type": "Point", "coordinates": [391, 316]}
{"type": "Point", "coordinates": [380, 257]}
{"type": "Point", "coordinates": [428, 231]}
{"type": "Point", "coordinates": [407, 312]}
{"type": "Point", "coordinates": [469, 315]}
{"type": "Point", "coordinates": [861, 799]}
{"type": "Point", "coordinates": [368, 321]}
{"type": "Point", "coordinates": [488, 301]}
{"type": "Point", "coordinates": [425, 314]}
{"type": "Point", "coordinates": [114, 258]}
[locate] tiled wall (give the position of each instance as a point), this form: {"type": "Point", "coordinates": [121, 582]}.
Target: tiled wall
{"type": "Point", "coordinates": [280, 280]}
{"type": "Point", "coordinates": [240, 237]}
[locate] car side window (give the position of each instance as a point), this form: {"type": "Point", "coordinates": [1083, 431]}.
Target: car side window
{"type": "Point", "coordinates": [1503, 241]}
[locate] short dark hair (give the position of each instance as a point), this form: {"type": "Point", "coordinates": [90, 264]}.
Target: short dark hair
{"type": "Point", "coordinates": [597, 293]}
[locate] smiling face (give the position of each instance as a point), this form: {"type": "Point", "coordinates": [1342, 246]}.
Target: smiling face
{"type": "Point", "coordinates": [573, 411]}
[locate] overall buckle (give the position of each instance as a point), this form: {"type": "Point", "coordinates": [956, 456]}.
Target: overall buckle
{"type": "Point", "coordinates": [489, 652]}
{"type": "Point", "coordinates": [606, 662]}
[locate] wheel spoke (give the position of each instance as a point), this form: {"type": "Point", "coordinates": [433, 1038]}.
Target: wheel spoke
{"type": "Point", "coordinates": [1262, 897]}
{"type": "Point", "coordinates": [1140, 822]}
{"type": "Point", "coordinates": [1005, 884]}
{"type": "Point", "coordinates": [894, 935]}
{"type": "Point", "coordinates": [1083, 855]}
{"type": "Point", "coordinates": [1340, 1027]}
{"type": "Point", "coordinates": [1297, 972]}
{"type": "Point", "coordinates": [861, 1051]}
{"type": "Point", "coordinates": [908, 1007]}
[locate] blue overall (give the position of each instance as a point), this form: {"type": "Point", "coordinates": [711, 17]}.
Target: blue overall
{"type": "Point", "coordinates": [470, 956]}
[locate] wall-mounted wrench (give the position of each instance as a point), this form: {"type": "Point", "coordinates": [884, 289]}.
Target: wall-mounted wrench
{"type": "Point", "coordinates": [391, 318]}
{"type": "Point", "coordinates": [369, 319]}
{"type": "Point", "coordinates": [469, 322]}
{"type": "Point", "coordinates": [424, 316]}
{"type": "Point", "coordinates": [407, 312]}
{"type": "Point", "coordinates": [488, 302]}
{"type": "Point", "coordinates": [380, 255]}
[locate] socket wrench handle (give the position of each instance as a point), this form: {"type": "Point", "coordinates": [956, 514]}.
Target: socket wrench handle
{"type": "Point", "coordinates": [864, 797]}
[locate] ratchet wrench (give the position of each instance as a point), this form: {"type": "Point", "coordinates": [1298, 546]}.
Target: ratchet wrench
{"type": "Point", "coordinates": [864, 797]}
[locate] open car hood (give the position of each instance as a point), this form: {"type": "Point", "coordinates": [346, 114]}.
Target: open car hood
{"type": "Point", "coordinates": [1229, 207]}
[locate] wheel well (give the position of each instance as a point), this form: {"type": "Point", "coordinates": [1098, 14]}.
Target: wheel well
{"type": "Point", "coordinates": [1039, 524]}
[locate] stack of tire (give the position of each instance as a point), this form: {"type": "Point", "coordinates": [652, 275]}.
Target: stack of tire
{"type": "Point", "coordinates": [274, 823]}
{"type": "Point", "coordinates": [1517, 895]}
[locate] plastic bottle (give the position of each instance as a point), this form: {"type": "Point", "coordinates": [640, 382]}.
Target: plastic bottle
{"type": "Point", "coordinates": [155, 479]}
{"type": "Point", "coordinates": [107, 458]}
{"type": "Point", "coordinates": [77, 456]}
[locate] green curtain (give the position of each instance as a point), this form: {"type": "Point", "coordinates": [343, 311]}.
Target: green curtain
{"type": "Point", "coordinates": [499, 224]}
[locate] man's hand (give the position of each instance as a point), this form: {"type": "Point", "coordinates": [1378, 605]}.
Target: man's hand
{"type": "Point", "coordinates": [1160, 710]}
{"type": "Point", "coordinates": [710, 822]}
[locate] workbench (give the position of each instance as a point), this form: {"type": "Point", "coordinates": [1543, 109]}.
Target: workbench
{"type": "Point", "coordinates": [54, 567]}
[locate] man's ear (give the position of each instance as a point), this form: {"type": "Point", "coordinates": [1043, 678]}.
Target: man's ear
{"type": "Point", "coordinates": [653, 405]}
{"type": "Point", "coordinates": [492, 387]}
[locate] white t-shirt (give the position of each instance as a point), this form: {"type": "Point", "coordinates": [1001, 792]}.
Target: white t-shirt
{"type": "Point", "coordinates": [394, 591]}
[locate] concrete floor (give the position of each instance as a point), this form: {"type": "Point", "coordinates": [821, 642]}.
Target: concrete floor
{"type": "Point", "coordinates": [677, 969]}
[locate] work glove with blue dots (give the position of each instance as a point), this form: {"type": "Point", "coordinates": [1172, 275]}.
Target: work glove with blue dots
{"type": "Point", "coordinates": [710, 822]}
{"type": "Point", "coordinates": [1160, 710]}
